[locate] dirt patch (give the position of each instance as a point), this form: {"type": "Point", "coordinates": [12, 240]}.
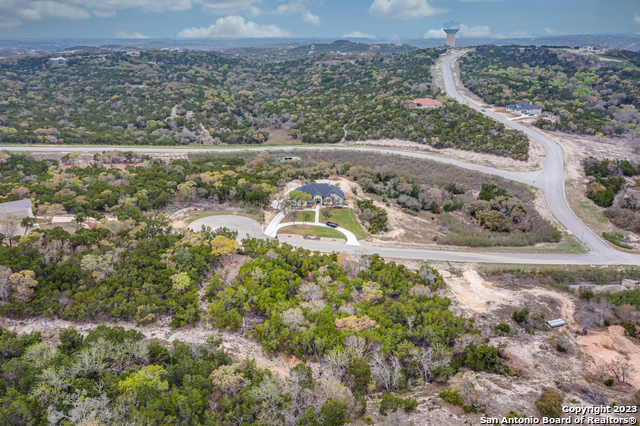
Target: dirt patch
{"type": "Point", "coordinates": [605, 346]}
{"type": "Point", "coordinates": [475, 297]}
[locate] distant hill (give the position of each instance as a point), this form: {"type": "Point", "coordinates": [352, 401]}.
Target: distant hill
{"type": "Point", "coordinates": [338, 46]}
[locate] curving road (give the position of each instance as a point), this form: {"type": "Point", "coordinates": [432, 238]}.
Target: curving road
{"type": "Point", "coordinates": [550, 180]}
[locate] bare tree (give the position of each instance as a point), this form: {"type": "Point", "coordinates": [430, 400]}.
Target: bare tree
{"type": "Point", "coordinates": [380, 370]}
{"type": "Point", "coordinates": [619, 368]}
{"type": "Point", "coordinates": [5, 284]}
{"type": "Point", "coordinates": [389, 374]}
{"type": "Point", "coordinates": [10, 225]}
{"type": "Point", "coordinates": [594, 313]}
{"type": "Point", "coordinates": [423, 358]}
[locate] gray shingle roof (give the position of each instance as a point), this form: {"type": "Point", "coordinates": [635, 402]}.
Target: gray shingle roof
{"type": "Point", "coordinates": [20, 207]}
{"type": "Point", "coordinates": [322, 189]}
{"type": "Point", "coordinates": [523, 105]}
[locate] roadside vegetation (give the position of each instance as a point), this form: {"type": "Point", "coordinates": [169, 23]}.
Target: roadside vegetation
{"type": "Point", "coordinates": [607, 178]}
{"type": "Point", "coordinates": [577, 93]}
{"type": "Point", "coordinates": [203, 98]}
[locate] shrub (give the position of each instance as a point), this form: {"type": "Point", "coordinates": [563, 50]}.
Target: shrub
{"type": "Point", "coordinates": [609, 382]}
{"type": "Point", "coordinates": [550, 403]}
{"type": "Point", "coordinates": [491, 191]}
{"type": "Point", "coordinates": [391, 403]}
{"type": "Point", "coordinates": [481, 358]}
{"type": "Point", "coordinates": [520, 316]}
{"type": "Point", "coordinates": [559, 348]}
{"type": "Point", "coordinates": [615, 239]}
{"type": "Point", "coordinates": [513, 415]}
{"type": "Point", "coordinates": [503, 328]}
{"type": "Point", "coordinates": [452, 397]}
{"type": "Point", "coordinates": [333, 413]}
{"type": "Point", "coordinates": [360, 371]}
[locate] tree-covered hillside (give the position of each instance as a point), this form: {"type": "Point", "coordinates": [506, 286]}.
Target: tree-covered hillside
{"type": "Point", "coordinates": [174, 98]}
{"type": "Point", "coordinates": [580, 94]}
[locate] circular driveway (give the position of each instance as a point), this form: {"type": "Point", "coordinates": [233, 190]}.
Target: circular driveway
{"type": "Point", "coordinates": [244, 225]}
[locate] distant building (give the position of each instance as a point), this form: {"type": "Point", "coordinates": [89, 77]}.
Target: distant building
{"type": "Point", "coordinates": [323, 193]}
{"type": "Point", "coordinates": [21, 208]}
{"type": "Point", "coordinates": [451, 28]}
{"type": "Point", "coordinates": [59, 60]}
{"type": "Point", "coordinates": [374, 47]}
{"type": "Point", "coordinates": [590, 48]}
{"type": "Point", "coordinates": [427, 103]}
{"type": "Point", "coordinates": [525, 108]}
{"type": "Point", "coordinates": [134, 53]}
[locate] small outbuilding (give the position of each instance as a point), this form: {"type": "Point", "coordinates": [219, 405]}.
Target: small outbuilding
{"type": "Point", "coordinates": [556, 323]}
{"type": "Point", "coordinates": [323, 193]}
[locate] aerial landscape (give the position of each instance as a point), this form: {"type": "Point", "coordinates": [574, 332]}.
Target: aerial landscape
{"type": "Point", "coordinates": [307, 212]}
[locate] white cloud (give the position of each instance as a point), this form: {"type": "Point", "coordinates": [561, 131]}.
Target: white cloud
{"type": "Point", "coordinates": [403, 9]}
{"type": "Point", "coordinates": [254, 11]}
{"type": "Point", "coordinates": [225, 7]}
{"type": "Point", "coordinates": [14, 12]}
{"type": "Point", "coordinates": [234, 26]}
{"type": "Point", "coordinates": [358, 34]}
{"type": "Point", "coordinates": [310, 18]}
{"type": "Point", "coordinates": [475, 31]}
{"type": "Point", "coordinates": [126, 34]}
{"type": "Point", "coordinates": [549, 31]}
{"type": "Point", "coordinates": [636, 19]}
{"type": "Point", "coordinates": [298, 6]}
{"type": "Point", "coordinates": [465, 31]}
{"type": "Point", "coordinates": [435, 34]}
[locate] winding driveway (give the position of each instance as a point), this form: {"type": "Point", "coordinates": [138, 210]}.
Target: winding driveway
{"type": "Point", "coordinates": [550, 180]}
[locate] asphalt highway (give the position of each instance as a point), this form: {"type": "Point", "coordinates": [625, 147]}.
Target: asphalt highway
{"type": "Point", "coordinates": [550, 180]}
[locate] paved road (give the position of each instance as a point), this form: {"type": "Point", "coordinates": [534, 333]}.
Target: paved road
{"type": "Point", "coordinates": [550, 180]}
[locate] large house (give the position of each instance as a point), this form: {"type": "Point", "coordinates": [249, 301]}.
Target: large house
{"type": "Point", "coordinates": [525, 108]}
{"type": "Point", "coordinates": [427, 103]}
{"type": "Point", "coordinates": [21, 208]}
{"type": "Point", "coordinates": [323, 193]}
{"type": "Point", "coordinates": [59, 60]}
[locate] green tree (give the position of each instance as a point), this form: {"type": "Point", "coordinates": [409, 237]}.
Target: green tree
{"type": "Point", "coordinates": [333, 414]}
{"type": "Point", "coordinates": [180, 281]}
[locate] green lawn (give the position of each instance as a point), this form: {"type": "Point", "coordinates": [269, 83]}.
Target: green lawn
{"type": "Point", "coordinates": [346, 218]}
{"type": "Point", "coordinates": [312, 231]}
{"type": "Point", "coordinates": [300, 216]}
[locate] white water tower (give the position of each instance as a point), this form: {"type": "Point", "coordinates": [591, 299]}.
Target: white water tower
{"type": "Point", "coordinates": [451, 28]}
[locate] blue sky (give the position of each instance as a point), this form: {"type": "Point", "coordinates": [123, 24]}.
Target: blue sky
{"type": "Point", "coordinates": [314, 18]}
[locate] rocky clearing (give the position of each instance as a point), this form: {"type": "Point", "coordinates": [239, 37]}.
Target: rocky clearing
{"type": "Point", "coordinates": [576, 374]}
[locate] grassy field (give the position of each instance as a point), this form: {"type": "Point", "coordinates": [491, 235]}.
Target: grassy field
{"type": "Point", "coordinates": [300, 216]}
{"type": "Point", "coordinates": [312, 231]}
{"type": "Point", "coordinates": [346, 218]}
{"type": "Point", "coordinates": [199, 215]}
